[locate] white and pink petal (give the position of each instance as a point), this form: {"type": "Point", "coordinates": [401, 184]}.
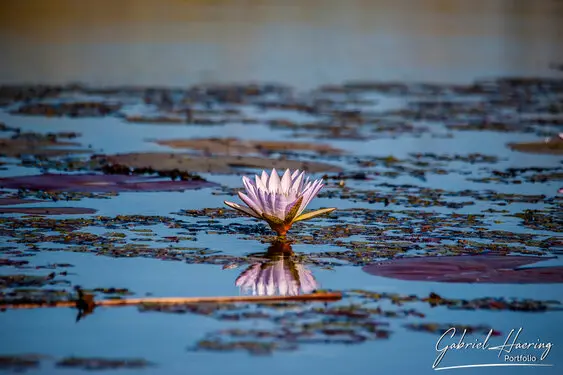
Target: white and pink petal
{"type": "Point", "coordinates": [245, 210]}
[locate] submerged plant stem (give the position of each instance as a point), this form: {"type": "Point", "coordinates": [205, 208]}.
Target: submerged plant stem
{"type": "Point", "coordinates": [323, 296]}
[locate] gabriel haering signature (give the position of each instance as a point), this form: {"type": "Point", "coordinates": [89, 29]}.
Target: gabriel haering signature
{"type": "Point", "coordinates": [512, 353]}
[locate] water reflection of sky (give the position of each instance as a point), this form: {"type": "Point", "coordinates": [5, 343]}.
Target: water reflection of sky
{"type": "Point", "coordinates": [298, 43]}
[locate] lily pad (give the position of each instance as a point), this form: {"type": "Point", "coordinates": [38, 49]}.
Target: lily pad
{"type": "Point", "coordinates": [20, 363]}
{"type": "Point", "coordinates": [37, 145]}
{"type": "Point", "coordinates": [47, 210]}
{"type": "Point", "coordinates": [15, 281]}
{"type": "Point", "coordinates": [77, 109]}
{"type": "Point", "coordinates": [8, 201]}
{"type": "Point", "coordinates": [98, 183]}
{"type": "Point", "coordinates": [210, 164]}
{"type": "Point", "coordinates": [236, 146]}
{"type": "Point", "coordinates": [554, 147]}
{"type": "Point", "coordinates": [103, 363]}
{"type": "Point", "coordinates": [440, 328]}
{"type": "Point", "coordinates": [468, 269]}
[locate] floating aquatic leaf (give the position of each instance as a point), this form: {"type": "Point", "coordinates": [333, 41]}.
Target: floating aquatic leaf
{"type": "Point", "coordinates": [440, 328]}
{"type": "Point", "coordinates": [209, 164]}
{"type": "Point", "coordinates": [98, 183]}
{"type": "Point", "coordinates": [38, 145]}
{"type": "Point", "coordinates": [75, 109]}
{"type": "Point", "coordinates": [541, 147]}
{"type": "Point", "coordinates": [47, 210]}
{"type": "Point", "coordinates": [14, 281]}
{"type": "Point", "coordinates": [20, 363]}
{"type": "Point", "coordinates": [468, 269]}
{"type": "Point", "coordinates": [103, 363]}
{"type": "Point", "coordinates": [234, 146]}
{"type": "Point", "coordinates": [9, 201]}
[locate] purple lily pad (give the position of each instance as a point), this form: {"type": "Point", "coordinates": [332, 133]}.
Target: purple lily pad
{"type": "Point", "coordinates": [91, 183]}
{"type": "Point", "coordinates": [8, 201]}
{"type": "Point", "coordinates": [494, 269]}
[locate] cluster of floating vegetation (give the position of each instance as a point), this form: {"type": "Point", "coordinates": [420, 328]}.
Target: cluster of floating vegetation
{"type": "Point", "coordinates": [409, 227]}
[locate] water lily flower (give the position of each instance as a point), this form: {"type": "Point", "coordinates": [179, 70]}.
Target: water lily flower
{"type": "Point", "coordinates": [279, 201]}
{"type": "Point", "coordinates": [279, 274]}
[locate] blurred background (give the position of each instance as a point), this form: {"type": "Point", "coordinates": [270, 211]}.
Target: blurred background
{"type": "Point", "coordinates": [299, 43]}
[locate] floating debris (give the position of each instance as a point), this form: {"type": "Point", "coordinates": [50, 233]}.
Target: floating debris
{"type": "Point", "coordinates": [103, 363]}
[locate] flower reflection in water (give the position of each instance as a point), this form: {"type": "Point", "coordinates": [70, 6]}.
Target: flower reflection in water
{"type": "Point", "coordinates": [278, 274]}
